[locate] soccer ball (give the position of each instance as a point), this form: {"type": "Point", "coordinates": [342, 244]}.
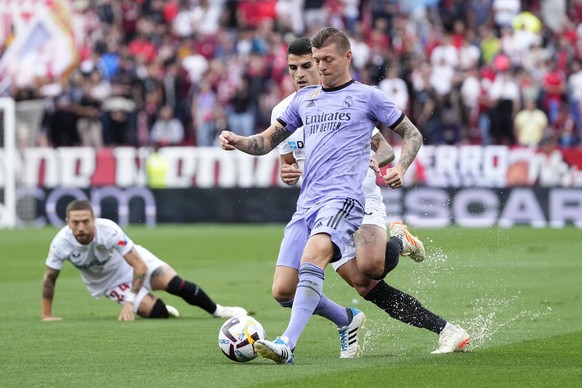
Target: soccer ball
{"type": "Point", "coordinates": [237, 337]}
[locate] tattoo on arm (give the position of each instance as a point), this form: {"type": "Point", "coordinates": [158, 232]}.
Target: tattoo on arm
{"type": "Point", "coordinates": [48, 284]}
{"type": "Point", "coordinates": [138, 280]}
{"type": "Point", "coordinates": [264, 142]}
{"type": "Point", "coordinates": [411, 142]}
{"type": "Point", "coordinates": [254, 145]}
{"type": "Point", "coordinates": [280, 134]}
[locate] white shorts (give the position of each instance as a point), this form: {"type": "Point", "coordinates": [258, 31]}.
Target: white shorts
{"type": "Point", "coordinates": [374, 214]}
{"type": "Point", "coordinates": [123, 284]}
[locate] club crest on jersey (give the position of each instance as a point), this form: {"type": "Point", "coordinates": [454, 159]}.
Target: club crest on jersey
{"type": "Point", "coordinates": [348, 101]}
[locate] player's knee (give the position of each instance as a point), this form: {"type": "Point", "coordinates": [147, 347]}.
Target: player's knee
{"type": "Point", "coordinates": [361, 283]}
{"type": "Point", "coordinates": [159, 310]}
{"type": "Point", "coordinates": [283, 289]}
{"type": "Point", "coordinates": [283, 295]}
{"type": "Point", "coordinates": [364, 288]}
{"type": "Point", "coordinates": [373, 269]}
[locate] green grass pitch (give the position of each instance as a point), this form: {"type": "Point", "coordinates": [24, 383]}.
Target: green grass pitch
{"type": "Point", "coordinates": [517, 291]}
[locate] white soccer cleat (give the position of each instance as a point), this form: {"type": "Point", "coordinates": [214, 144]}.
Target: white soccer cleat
{"type": "Point", "coordinates": [452, 339]}
{"type": "Point", "coordinates": [349, 335]}
{"type": "Point", "coordinates": [277, 350]}
{"type": "Point", "coordinates": [229, 312]}
{"type": "Point", "coordinates": [172, 311]}
{"type": "Point", "coordinates": [411, 245]}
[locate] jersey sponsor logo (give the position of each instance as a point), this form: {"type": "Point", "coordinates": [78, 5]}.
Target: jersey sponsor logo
{"type": "Point", "coordinates": [327, 117]}
{"type": "Point", "coordinates": [92, 264]}
{"type": "Point", "coordinates": [122, 242]}
{"type": "Point", "coordinates": [310, 104]}
{"type": "Point", "coordinates": [325, 122]}
{"type": "Point", "coordinates": [75, 254]}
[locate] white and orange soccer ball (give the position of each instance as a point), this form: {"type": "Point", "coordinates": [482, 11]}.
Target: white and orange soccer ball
{"type": "Point", "coordinates": [237, 338]}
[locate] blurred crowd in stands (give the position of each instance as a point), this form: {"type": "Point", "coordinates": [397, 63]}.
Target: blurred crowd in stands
{"type": "Point", "coordinates": [178, 72]}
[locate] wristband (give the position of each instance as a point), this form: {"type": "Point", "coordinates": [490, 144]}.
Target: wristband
{"type": "Point", "coordinates": [130, 297]}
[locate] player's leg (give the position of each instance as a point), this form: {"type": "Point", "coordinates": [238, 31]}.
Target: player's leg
{"type": "Point", "coordinates": [151, 306]}
{"type": "Point", "coordinates": [307, 297]}
{"type": "Point", "coordinates": [334, 225]}
{"type": "Point", "coordinates": [146, 305]}
{"type": "Point", "coordinates": [286, 276]}
{"type": "Point", "coordinates": [295, 236]}
{"type": "Point", "coordinates": [407, 309]}
{"type": "Point", "coordinates": [376, 254]}
{"type": "Point", "coordinates": [351, 274]}
{"type": "Point", "coordinates": [161, 276]}
{"type": "Point", "coordinates": [284, 285]}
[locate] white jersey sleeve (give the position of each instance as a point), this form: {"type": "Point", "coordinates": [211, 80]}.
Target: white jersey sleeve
{"type": "Point", "coordinates": [283, 147]}
{"type": "Point", "coordinates": [293, 143]}
{"type": "Point", "coordinates": [55, 258]}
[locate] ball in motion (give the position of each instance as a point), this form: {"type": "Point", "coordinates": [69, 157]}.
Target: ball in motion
{"type": "Point", "coordinates": [237, 337]}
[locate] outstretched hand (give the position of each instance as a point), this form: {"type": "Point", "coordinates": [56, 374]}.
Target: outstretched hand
{"type": "Point", "coordinates": [228, 140]}
{"type": "Point", "coordinates": [126, 312]}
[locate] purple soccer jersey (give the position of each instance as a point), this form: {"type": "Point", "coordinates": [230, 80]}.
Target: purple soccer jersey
{"type": "Point", "coordinates": [337, 125]}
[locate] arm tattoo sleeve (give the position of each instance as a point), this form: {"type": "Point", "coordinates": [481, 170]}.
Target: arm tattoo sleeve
{"type": "Point", "coordinates": [264, 142]}
{"type": "Point", "coordinates": [280, 134]}
{"type": "Point", "coordinates": [48, 284]}
{"type": "Point", "coordinates": [253, 145]}
{"type": "Point", "coordinates": [411, 142]}
{"type": "Point", "coordinates": [137, 284]}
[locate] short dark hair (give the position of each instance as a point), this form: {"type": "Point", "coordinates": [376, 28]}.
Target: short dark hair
{"type": "Point", "coordinates": [79, 204]}
{"type": "Point", "coordinates": [299, 47]}
{"type": "Point", "coordinates": [330, 35]}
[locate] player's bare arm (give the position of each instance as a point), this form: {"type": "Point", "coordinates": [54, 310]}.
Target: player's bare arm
{"type": "Point", "coordinates": [411, 143]}
{"type": "Point", "coordinates": [259, 144]}
{"type": "Point", "coordinates": [290, 172]}
{"type": "Point", "coordinates": [48, 291]}
{"type": "Point", "coordinates": [139, 272]}
{"type": "Point", "coordinates": [384, 154]}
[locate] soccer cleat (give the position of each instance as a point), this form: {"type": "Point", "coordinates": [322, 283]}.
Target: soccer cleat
{"type": "Point", "coordinates": [411, 245]}
{"type": "Point", "coordinates": [277, 350]}
{"type": "Point", "coordinates": [229, 312]}
{"type": "Point", "coordinates": [452, 339]}
{"type": "Point", "coordinates": [172, 311]}
{"type": "Point", "coordinates": [349, 335]}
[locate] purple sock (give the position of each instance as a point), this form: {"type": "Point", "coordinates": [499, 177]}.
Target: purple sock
{"type": "Point", "coordinates": [307, 297]}
{"type": "Point", "coordinates": [327, 308]}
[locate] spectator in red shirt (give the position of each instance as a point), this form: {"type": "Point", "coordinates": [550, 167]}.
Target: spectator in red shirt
{"type": "Point", "coordinates": [554, 87]}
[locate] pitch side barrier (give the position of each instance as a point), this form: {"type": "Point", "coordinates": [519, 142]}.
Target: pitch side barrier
{"type": "Point", "coordinates": [419, 206]}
